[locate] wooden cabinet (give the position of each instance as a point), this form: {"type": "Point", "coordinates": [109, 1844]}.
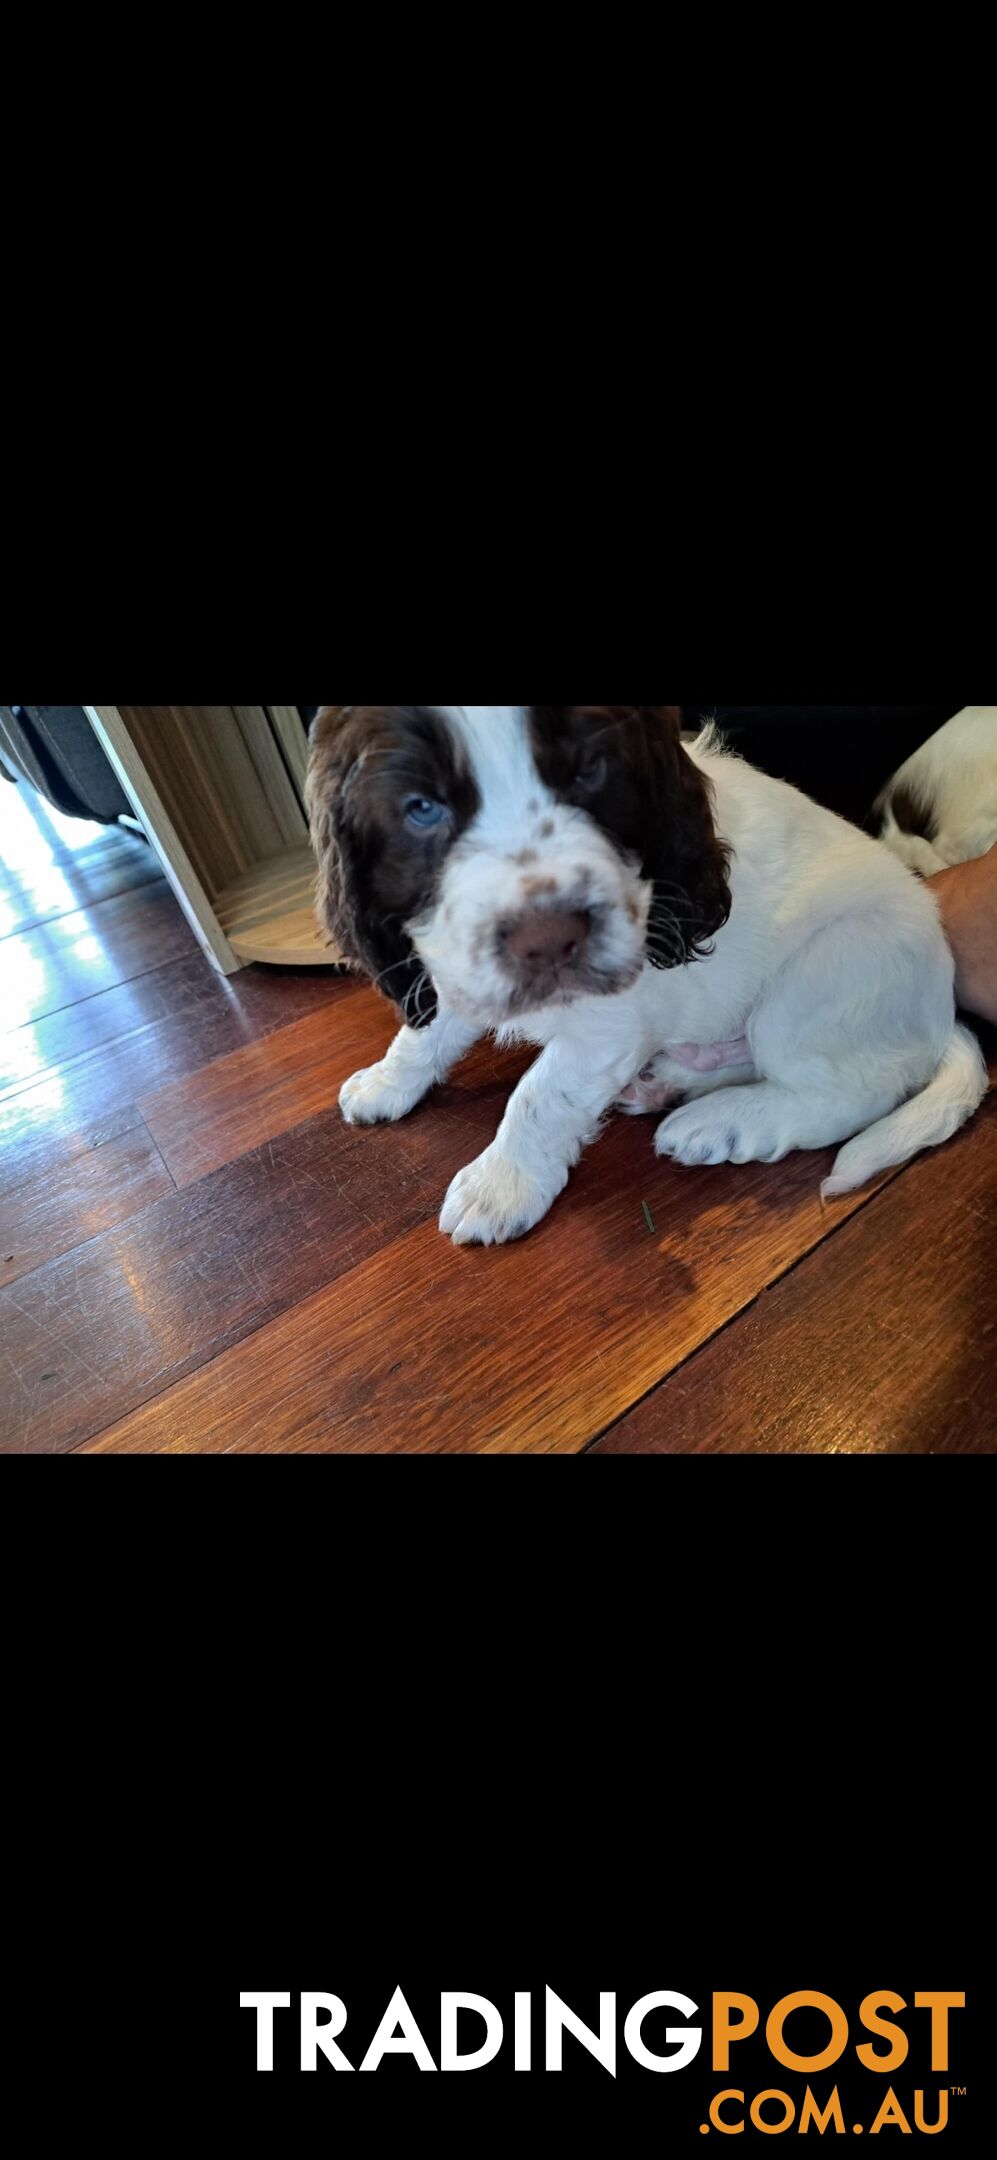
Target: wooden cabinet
{"type": "Point", "coordinates": [220, 791]}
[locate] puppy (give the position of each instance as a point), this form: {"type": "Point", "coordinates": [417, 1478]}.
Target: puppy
{"type": "Point", "coordinates": [941, 807]}
{"type": "Point", "coordinates": [662, 920]}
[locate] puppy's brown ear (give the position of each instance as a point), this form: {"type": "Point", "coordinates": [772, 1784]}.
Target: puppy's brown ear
{"type": "Point", "coordinates": [332, 754]}
{"type": "Point", "coordinates": [366, 938]}
{"type": "Point", "coordinates": [686, 858]}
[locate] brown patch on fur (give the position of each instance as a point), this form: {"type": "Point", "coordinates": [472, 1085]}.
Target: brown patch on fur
{"type": "Point", "coordinates": [652, 800]}
{"type": "Point", "coordinates": [535, 888]}
{"type": "Point", "coordinates": [912, 813]}
{"type": "Point", "coordinates": [547, 829]}
{"type": "Point", "coordinates": [374, 873]}
{"type": "Point", "coordinates": [526, 855]}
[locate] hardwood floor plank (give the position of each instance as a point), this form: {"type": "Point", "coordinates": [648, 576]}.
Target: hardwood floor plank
{"type": "Point", "coordinates": [30, 898]}
{"type": "Point", "coordinates": [52, 865]}
{"type": "Point", "coordinates": [532, 1348]}
{"type": "Point", "coordinates": [93, 1334]}
{"type": "Point", "coordinates": [66, 1207]}
{"type": "Point", "coordinates": [210, 1118]}
{"type": "Point", "coordinates": [43, 1134]}
{"type": "Point", "coordinates": [256, 1002]}
{"type": "Point", "coordinates": [42, 1046]}
{"type": "Point", "coordinates": [77, 1105]}
{"type": "Point", "coordinates": [883, 1342]}
{"type": "Point", "coordinates": [81, 954]}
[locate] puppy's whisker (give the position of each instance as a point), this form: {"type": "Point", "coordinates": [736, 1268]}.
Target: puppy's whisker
{"type": "Point", "coordinates": [377, 980]}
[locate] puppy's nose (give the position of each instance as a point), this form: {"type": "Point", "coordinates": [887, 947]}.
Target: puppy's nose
{"type": "Point", "coordinates": [548, 938]}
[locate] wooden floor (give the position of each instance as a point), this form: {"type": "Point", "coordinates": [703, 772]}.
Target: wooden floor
{"type": "Point", "coordinates": [197, 1255]}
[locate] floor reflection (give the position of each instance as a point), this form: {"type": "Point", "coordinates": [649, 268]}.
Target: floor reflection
{"type": "Point", "coordinates": [55, 872]}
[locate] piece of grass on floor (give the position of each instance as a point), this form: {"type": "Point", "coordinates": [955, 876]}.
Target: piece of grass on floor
{"type": "Point", "coordinates": [649, 1218]}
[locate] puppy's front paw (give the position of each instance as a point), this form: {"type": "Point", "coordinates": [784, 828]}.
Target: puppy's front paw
{"type": "Point", "coordinates": [372, 1097]}
{"type": "Point", "coordinates": [493, 1201]}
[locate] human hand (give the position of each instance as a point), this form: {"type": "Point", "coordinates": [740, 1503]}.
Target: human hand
{"type": "Point", "coordinates": [967, 897]}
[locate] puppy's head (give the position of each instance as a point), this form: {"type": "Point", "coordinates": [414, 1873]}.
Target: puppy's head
{"type": "Point", "coordinates": [512, 857]}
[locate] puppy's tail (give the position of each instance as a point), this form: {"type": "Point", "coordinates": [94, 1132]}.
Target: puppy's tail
{"type": "Point", "coordinates": [957, 1089]}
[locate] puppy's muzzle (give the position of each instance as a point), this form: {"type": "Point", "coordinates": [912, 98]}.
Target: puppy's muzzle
{"type": "Point", "coordinates": [545, 941]}
{"type": "Point", "coordinates": [549, 953]}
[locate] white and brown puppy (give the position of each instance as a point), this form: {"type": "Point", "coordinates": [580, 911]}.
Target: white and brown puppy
{"type": "Point", "coordinates": [941, 807]}
{"type": "Point", "coordinates": [663, 920]}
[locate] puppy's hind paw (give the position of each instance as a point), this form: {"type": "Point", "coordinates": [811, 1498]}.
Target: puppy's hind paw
{"type": "Point", "coordinates": [646, 1095]}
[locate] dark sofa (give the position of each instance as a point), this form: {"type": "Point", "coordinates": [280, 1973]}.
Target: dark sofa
{"type": "Point", "coordinates": [55, 748]}
{"type": "Point", "coordinates": [842, 755]}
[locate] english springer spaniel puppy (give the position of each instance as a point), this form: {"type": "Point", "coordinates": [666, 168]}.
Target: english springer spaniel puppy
{"type": "Point", "coordinates": [941, 807]}
{"type": "Point", "coordinates": [663, 920]}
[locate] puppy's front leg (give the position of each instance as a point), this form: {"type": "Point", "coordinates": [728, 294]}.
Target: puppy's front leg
{"type": "Point", "coordinates": [555, 1111]}
{"type": "Point", "coordinates": [419, 1058]}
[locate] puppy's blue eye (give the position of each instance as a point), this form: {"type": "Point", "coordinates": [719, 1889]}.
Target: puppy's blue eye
{"type": "Point", "coordinates": [424, 815]}
{"type": "Point", "coordinates": [593, 776]}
